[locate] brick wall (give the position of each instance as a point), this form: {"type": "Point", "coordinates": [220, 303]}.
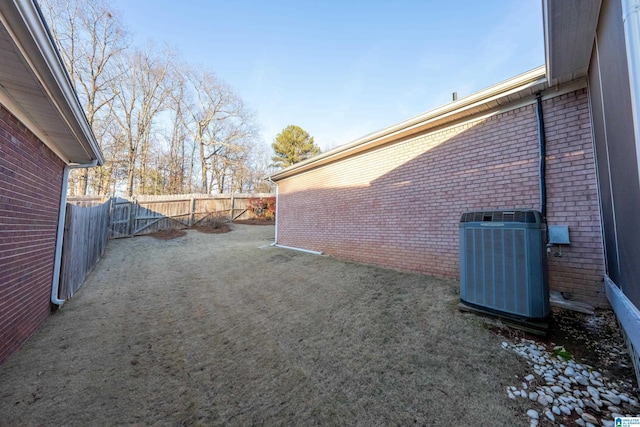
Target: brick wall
{"type": "Point", "coordinates": [30, 187]}
{"type": "Point", "coordinates": [399, 206]}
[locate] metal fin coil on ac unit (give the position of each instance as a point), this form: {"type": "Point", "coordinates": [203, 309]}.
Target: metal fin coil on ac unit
{"type": "Point", "coordinates": [503, 264]}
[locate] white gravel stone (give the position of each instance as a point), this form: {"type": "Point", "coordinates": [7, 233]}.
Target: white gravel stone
{"type": "Point", "coordinates": [564, 379]}
{"type": "Point", "coordinates": [581, 380]}
{"type": "Point", "coordinates": [565, 410]}
{"type": "Point", "coordinates": [542, 399]}
{"type": "Point", "coordinates": [593, 392]}
{"type": "Point", "coordinates": [591, 405]}
{"type": "Point", "coordinates": [611, 398]}
{"type": "Point", "coordinates": [549, 414]}
{"type": "Point", "coordinates": [570, 387]}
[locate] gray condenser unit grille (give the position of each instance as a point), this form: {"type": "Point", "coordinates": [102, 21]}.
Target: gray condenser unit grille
{"type": "Point", "coordinates": [503, 263]}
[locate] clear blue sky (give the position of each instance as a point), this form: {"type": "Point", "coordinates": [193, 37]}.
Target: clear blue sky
{"type": "Point", "coordinates": [343, 69]}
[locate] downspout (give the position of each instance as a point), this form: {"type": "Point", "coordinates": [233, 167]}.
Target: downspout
{"type": "Point", "coordinates": [542, 142]}
{"type": "Point", "coordinates": [631, 23]}
{"type": "Point", "coordinates": [55, 285]}
{"type": "Point", "coordinates": [275, 241]}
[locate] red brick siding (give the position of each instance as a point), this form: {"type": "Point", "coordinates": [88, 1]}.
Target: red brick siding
{"type": "Point", "coordinates": [30, 188]}
{"type": "Point", "coordinates": [399, 206]}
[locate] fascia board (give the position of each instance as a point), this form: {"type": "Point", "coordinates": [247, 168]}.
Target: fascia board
{"type": "Point", "coordinates": [23, 20]}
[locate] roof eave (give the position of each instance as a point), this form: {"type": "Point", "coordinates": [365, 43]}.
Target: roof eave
{"type": "Point", "coordinates": [30, 33]}
{"type": "Point", "coordinates": [508, 91]}
{"type": "Point", "coordinates": [569, 34]}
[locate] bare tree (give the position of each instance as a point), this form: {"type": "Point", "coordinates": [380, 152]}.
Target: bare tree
{"type": "Point", "coordinates": [141, 94]}
{"type": "Point", "coordinates": [163, 127]}
{"type": "Point", "coordinates": [214, 117]}
{"type": "Point", "coordinates": [181, 149]}
{"type": "Point", "coordinates": [90, 36]}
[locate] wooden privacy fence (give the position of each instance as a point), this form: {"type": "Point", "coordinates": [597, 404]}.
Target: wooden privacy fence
{"type": "Point", "coordinates": [85, 238]}
{"type": "Point", "coordinates": [90, 221]}
{"type": "Point", "coordinates": [148, 214]}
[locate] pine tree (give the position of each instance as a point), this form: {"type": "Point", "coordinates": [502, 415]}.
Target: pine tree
{"type": "Point", "coordinates": [293, 145]}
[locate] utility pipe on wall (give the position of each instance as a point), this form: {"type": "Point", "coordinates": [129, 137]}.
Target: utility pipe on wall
{"type": "Point", "coordinates": [55, 285]}
{"type": "Point", "coordinates": [542, 142]}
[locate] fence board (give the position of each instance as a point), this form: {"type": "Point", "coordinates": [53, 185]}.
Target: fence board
{"type": "Point", "coordinates": [148, 214]}
{"type": "Point", "coordinates": [120, 224]}
{"type": "Point", "coordinates": [85, 238]}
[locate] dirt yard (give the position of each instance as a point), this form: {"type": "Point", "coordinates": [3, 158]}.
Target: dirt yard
{"type": "Point", "coordinates": [221, 329]}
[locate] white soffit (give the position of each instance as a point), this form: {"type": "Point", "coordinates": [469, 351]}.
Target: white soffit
{"type": "Point", "coordinates": [35, 87]}
{"type": "Point", "coordinates": [569, 29]}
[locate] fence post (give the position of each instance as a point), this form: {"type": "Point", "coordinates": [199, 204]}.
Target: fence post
{"type": "Point", "coordinates": [132, 216]}
{"type": "Point", "coordinates": [233, 205]}
{"type": "Point", "coordinates": [192, 218]}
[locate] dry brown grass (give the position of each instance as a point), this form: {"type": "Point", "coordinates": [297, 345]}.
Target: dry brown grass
{"type": "Point", "coordinates": [211, 330]}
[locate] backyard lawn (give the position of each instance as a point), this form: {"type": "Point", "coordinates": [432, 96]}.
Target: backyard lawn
{"type": "Point", "coordinates": [213, 329]}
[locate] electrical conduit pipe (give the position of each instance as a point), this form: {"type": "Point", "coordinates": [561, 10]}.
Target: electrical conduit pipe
{"type": "Point", "coordinates": [542, 142]}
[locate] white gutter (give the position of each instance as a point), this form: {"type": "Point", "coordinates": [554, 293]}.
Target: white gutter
{"type": "Point", "coordinates": [505, 92]}
{"type": "Point", "coordinates": [57, 263]}
{"type": "Point", "coordinates": [631, 21]}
